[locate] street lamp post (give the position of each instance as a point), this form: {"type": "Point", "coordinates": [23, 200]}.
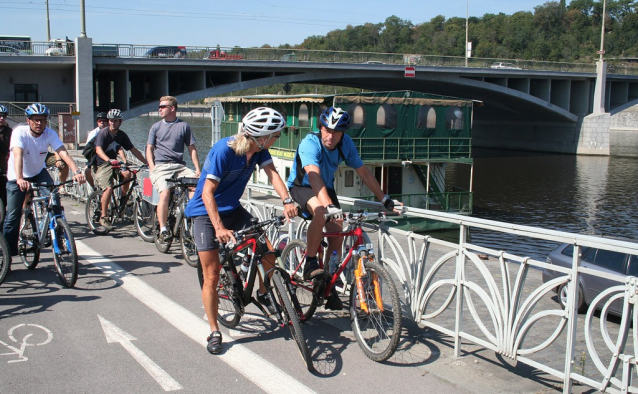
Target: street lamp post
{"type": "Point", "coordinates": [467, 25]}
{"type": "Point", "coordinates": [48, 23]}
{"type": "Point", "coordinates": [602, 34]}
{"type": "Point", "coordinates": [601, 72]}
{"type": "Point", "coordinates": [83, 20]}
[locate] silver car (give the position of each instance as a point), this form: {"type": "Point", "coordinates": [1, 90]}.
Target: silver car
{"type": "Point", "coordinates": [590, 286]}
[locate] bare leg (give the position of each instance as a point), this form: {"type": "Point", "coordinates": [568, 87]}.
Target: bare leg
{"type": "Point", "coordinates": [210, 268]}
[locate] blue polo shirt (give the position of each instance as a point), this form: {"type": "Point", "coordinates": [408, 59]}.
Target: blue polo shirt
{"type": "Point", "coordinates": [231, 171]}
{"type": "Point", "coordinates": [311, 151]}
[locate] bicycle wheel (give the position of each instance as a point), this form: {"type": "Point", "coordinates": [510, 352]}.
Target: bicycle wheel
{"type": "Point", "coordinates": [30, 251]}
{"type": "Point", "coordinates": [290, 316]}
{"type": "Point", "coordinates": [293, 258]}
{"type": "Point", "coordinates": [93, 212]}
{"type": "Point", "coordinates": [65, 255]}
{"type": "Point", "coordinates": [5, 259]}
{"type": "Point", "coordinates": [189, 250]}
{"type": "Point", "coordinates": [376, 314]}
{"type": "Point", "coordinates": [143, 219]}
{"type": "Point", "coordinates": [163, 247]}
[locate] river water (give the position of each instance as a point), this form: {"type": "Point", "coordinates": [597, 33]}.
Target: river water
{"type": "Point", "coordinates": [580, 194]}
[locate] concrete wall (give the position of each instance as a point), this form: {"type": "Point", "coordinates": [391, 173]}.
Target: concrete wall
{"type": "Point", "coordinates": [623, 133]}
{"type": "Point", "coordinates": [54, 84]}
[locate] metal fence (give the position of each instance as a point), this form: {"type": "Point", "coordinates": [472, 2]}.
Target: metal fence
{"type": "Point", "coordinates": [16, 111]}
{"type": "Point", "coordinates": [67, 48]}
{"type": "Point", "coordinates": [494, 299]}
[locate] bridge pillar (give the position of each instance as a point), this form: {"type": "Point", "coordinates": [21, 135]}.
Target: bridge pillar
{"type": "Point", "coordinates": [594, 135]}
{"type": "Point", "coordinates": [601, 83]}
{"type": "Point", "coordinates": [84, 86]}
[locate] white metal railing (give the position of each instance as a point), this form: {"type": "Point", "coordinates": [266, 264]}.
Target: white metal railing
{"type": "Point", "coordinates": [500, 303]}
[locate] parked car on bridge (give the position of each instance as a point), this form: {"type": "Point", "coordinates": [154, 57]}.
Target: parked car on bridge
{"type": "Point", "coordinates": [221, 55]}
{"type": "Point", "coordinates": [8, 51]}
{"type": "Point", "coordinates": [590, 286]}
{"type": "Point", "coordinates": [167, 52]}
{"type": "Point", "coordinates": [505, 65]}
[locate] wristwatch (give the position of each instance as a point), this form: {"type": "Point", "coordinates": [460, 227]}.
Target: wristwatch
{"type": "Point", "coordinates": [288, 201]}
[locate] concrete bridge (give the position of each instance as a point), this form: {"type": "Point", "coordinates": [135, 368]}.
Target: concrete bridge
{"type": "Point", "coordinates": [553, 109]}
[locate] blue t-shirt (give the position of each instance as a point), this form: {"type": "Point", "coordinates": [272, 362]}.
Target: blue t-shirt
{"type": "Point", "coordinates": [311, 151]}
{"type": "Point", "coordinates": [231, 171]}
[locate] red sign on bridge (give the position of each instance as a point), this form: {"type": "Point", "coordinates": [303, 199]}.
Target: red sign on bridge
{"type": "Point", "coordinates": [410, 71]}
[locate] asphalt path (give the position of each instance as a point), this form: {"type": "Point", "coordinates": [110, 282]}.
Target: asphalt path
{"type": "Point", "coordinates": [135, 323]}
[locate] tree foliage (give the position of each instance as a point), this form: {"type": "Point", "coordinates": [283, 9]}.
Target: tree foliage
{"type": "Point", "coordinates": [555, 31]}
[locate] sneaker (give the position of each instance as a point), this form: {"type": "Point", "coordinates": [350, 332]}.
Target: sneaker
{"type": "Point", "coordinates": [334, 303]}
{"type": "Point", "coordinates": [214, 342]}
{"type": "Point", "coordinates": [104, 222]}
{"type": "Point", "coordinates": [265, 301]}
{"type": "Point", "coordinates": [312, 271]}
{"type": "Point", "coordinates": [165, 236]}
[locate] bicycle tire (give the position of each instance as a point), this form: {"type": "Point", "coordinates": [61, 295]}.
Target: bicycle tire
{"type": "Point", "coordinates": [5, 260]}
{"type": "Point", "coordinates": [143, 219]}
{"type": "Point", "coordinates": [28, 232]}
{"type": "Point", "coordinates": [93, 211]}
{"type": "Point", "coordinates": [293, 258]}
{"type": "Point", "coordinates": [291, 318]}
{"type": "Point", "coordinates": [3, 211]}
{"type": "Point", "coordinates": [189, 250]}
{"type": "Point", "coordinates": [66, 259]}
{"type": "Point", "coordinates": [377, 332]}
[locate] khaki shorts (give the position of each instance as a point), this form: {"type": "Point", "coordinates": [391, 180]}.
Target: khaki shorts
{"type": "Point", "coordinates": [105, 176]}
{"type": "Point", "coordinates": [164, 171]}
{"type": "Point", "coordinates": [50, 160]}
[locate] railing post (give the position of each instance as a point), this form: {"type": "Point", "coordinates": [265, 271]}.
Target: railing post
{"type": "Point", "coordinates": [458, 284]}
{"type": "Point", "coordinates": [573, 320]}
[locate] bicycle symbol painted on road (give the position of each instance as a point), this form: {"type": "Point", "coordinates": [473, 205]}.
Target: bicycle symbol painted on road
{"type": "Point", "coordinates": [30, 335]}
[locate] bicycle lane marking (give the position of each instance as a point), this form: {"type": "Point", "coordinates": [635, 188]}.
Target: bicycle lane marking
{"type": "Point", "coordinates": [261, 372]}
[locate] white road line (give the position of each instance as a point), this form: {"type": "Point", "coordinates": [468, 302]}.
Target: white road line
{"type": "Point", "coordinates": [261, 372]}
{"type": "Point", "coordinates": [115, 334]}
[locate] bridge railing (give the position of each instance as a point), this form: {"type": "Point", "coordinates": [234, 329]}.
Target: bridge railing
{"type": "Point", "coordinates": [486, 298]}
{"type": "Point", "coordinates": [16, 111]}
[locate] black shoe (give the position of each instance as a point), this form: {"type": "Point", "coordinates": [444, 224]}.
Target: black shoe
{"type": "Point", "coordinates": [334, 303]}
{"type": "Point", "coordinates": [265, 301]}
{"type": "Point", "coordinates": [165, 236]}
{"type": "Point", "coordinates": [312, 271]}
{"type": "Point", "coordinates": [214, 342]}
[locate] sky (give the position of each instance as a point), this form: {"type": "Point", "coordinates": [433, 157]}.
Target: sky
{"type": "Point", "coordinates": [244, 23]}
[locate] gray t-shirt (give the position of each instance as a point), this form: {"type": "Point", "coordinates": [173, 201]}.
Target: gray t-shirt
{"type": "Point", "coordinates": [169, 139]}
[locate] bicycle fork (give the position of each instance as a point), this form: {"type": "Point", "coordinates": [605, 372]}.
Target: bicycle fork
{"type": "Point", "coordinates": [359, 273]}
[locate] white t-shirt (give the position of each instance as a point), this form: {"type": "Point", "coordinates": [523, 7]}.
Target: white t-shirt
{"type": "Point", "coordinates": [34, 150]}
{"type": "Point", "coordinates": [92, 134]}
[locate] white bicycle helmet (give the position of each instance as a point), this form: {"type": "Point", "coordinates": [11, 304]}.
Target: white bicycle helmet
{"type": "Point", "coordinates": [114, 114]}
{"type": "Point", "coordinates": [262, 121]}
{"type": "Point", "coordinates": [3, 109]}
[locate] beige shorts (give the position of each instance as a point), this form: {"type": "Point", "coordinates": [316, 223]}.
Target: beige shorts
{"type": "Point", "coordinates": [164, 171]}
{"type": "Point", "coordinates": [105, 176]}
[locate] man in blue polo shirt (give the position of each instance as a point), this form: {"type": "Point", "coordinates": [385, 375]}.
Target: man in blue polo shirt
{"type": "Point", "coordinates": [311, 184]}
{"type": "Point", "coordinates": [215, 205]}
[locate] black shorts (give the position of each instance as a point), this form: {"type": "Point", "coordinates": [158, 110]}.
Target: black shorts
{"type": "Point", "coordinates": [204, 232]}
{"type": "Point", "coordinates": [303, 194]}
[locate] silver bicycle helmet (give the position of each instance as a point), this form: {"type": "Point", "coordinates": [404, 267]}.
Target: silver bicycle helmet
{"type": "Point", "coordinates": [36, 109]}
{"type": "Point", "coordinates": [101, 115]}
{"type": "Point", "coordinates": [262, 121]}
{"type": "Point", "coordinates": [114, 114]}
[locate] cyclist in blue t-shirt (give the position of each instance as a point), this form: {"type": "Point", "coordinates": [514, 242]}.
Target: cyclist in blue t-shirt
{"type": "Point", "coordinates": [215, 205]}
{"type": "Point", "coordinates": [311, 184]}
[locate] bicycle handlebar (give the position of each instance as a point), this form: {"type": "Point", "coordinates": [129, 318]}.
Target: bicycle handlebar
{"type": "Point", "coordinates": [278, 221]}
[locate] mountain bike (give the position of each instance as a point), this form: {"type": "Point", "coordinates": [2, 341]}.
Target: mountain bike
{"type": "Point", "coordinates": [235, 289]}
{"type": "Point", "coordinates": [180, 225]}
{"type": "Point", "coordinates": [375, 307]}
{"type": "Point", "coordinates": [43, 224]}
{"type": "Point", "coordinates": [119, 208]}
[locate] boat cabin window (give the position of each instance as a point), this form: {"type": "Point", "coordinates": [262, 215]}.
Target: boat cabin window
{"type": "Point", "coordinates": [348, 179]}
{"type": "Point", "coordinates": [304, 119]}
{"type": "Point", "coordinates": [426, 118]}
{"type": "Point", "coordinates": [357, 114]}
{"type": "Point", "coordinates": [387, 117]}
{"type": "Point", "coordinates": [454, 118]}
